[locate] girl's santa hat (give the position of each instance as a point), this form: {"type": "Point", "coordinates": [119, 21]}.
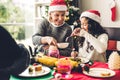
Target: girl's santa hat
{"type": "Point", "coordinates": [92, 14]}
{"type": "Point", "coordinates": [57, 5]}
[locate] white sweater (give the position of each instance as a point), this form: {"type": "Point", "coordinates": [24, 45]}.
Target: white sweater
{"type": "Point", "coordinates": [97, 47]}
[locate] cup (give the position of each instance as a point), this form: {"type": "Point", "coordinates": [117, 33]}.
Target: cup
{"type": "Point", "coordinates": [64, 66]}
{"type": "Point", "coordinates": [53, 53]}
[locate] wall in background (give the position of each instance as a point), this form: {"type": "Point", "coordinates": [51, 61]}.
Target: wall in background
{"type": "Point", "coordinates": [103, 7]}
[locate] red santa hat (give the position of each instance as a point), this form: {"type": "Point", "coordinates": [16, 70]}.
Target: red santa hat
{"type": "Point", "coordinates": [92, 14]}
{"type": "Point", "coordinates": [57, 5]}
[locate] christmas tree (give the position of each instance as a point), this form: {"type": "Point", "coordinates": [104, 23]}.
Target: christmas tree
{"type": "Point", "coordinates": [72, 17]}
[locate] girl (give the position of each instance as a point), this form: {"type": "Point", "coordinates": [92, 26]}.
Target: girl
{"type": "Point", "coordinates": [96, 38]}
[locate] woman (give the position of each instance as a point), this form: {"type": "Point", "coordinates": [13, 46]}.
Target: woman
{"type": "Point", "coordinates": [96, 38]}
{"type": "Point", "coordinates": [54, 29]}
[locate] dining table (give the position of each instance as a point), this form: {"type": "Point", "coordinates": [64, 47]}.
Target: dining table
{"type": "Point", "coordinates": [75, 75]}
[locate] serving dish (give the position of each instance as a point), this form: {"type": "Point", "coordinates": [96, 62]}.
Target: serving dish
{"type": "Point", "coordinates": [62, 45]}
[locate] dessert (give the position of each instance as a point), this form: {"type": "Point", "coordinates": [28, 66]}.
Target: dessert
{"type": "Point", "coordinates": [105, 74]}
{"type": "Point", "coordinates": [34, 68]}
{"type": "Point", "coordinates": [30, 70]}
{"type": "Point", "coordinates": [38, 68]}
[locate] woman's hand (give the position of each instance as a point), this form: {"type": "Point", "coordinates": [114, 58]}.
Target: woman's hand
{"type": "Point", "coordinates": [76, 32]}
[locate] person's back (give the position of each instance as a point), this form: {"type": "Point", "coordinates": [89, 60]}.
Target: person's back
{"type": "Point", "coordinates": [14, 58]}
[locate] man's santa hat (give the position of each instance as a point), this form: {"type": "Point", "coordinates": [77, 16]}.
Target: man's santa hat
{"type": "Point", "coordinates": [57, 5]}
{"type": "Point", "coordinates": [92, 14]}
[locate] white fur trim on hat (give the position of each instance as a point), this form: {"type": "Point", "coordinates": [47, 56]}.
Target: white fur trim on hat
{"type": "Point", "coordinates": [57, 8]}
{"type": "Point", "coordinates": [91, 16]}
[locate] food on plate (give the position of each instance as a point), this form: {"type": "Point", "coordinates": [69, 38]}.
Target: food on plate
{"type": "Point", "coordinates": [46, 60]}
{"type": "Point", "coordinates": [105, 74]}
{"type": "Point", "coordinates": [35, 68]}
{"type": "Point", "coordinates": [30, 69]}
{"type": "Point", "coordinates": [38, 68]}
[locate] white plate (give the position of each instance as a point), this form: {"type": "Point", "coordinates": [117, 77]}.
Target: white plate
{"type": "Point", "coordinates": [97, 72]}
{"type": "Point", "coordinates": [45, 70]}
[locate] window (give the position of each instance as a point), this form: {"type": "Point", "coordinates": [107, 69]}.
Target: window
{"type": "Point", "coordinates": [17, 16]}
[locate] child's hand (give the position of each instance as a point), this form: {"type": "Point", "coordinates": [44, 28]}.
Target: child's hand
{"type": "Point", "coordinates": [74, 54]}
{"type": "Point", "coordinates": [76, 32]}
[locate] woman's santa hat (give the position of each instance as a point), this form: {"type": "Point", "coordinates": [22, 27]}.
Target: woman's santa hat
{"type": "Point", "coordinates": [92, 14]}
{"type": "Point", "coordinates": [57, 5]}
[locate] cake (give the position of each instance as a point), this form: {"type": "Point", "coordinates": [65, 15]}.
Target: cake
{"type": "Point", "coordinates": [34, 69]}
{"type": "Point", "coordinates": [105, 74]}
{"type": "Point", "coordinates": [38, 68]}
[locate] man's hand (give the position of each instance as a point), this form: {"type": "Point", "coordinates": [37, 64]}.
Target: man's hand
{"type": "Point", "coordinates": [51, 41]}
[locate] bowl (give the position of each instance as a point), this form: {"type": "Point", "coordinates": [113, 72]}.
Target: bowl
{"type": "Point", "coordinates": [62, 45]}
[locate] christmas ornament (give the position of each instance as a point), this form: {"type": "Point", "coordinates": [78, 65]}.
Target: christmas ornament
{"type": "Point", "coordinates": [112, 6]}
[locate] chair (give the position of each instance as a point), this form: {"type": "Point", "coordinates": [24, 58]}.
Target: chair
{"type": "Point", "coordinates": [114, 40]}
